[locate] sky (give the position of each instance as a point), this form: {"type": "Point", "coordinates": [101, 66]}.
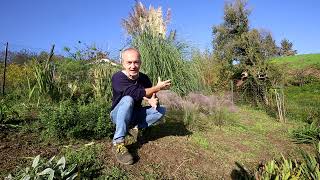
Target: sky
{"type": "Point", "coordinates": [38, 24]}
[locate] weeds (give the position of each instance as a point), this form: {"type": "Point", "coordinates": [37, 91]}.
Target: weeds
{"type": "Point", "coordinates": [115, 173]}
{"type": "Point", "coordinates": [88, 163]}
{"type": "Point", "coordinates": [76, 120]}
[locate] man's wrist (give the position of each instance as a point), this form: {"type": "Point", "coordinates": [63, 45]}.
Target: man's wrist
{"type": "Point", "coordinates": [157, 88]}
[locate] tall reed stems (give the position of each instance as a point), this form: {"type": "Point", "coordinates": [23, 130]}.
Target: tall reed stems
{"type": "Point", "coordinates": [163, 57]}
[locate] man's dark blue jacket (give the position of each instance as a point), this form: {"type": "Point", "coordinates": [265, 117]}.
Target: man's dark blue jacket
{"type": "Point", "coordinates": [123, 86]}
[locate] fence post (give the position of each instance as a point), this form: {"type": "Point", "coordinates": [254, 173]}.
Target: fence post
{"type": "Point", "coordinates": [231, 82]}
{"type": "Point", "coordinates": [51, 53]}
{"type": "Point", "coordinates": [4, 70]}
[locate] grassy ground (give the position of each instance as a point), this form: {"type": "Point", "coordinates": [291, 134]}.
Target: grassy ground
{"type": "Point", "coordinates": [303, 102]}
{"type": "Point", "coordinates": [299, 61]}
{"type": "Point", "coordinates": [171, 150]}
{"type": "Point", "coordinates": [302, 99]}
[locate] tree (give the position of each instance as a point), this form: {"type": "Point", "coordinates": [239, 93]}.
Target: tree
{"type": "Point", "coordinates": [23, 56]}
{"type": "Point", "coordinates": [226, 39]}
{"type": "Point", "coordinates": [234, 41]}
{"type": "Point", "coordinates": [286, 48]}
{"type": "Point", "coordinates": [269, 46]}
{"type": "Point", "coordinates": [225, 35]}
{"type": "Point", "coordinates": [251, 46]}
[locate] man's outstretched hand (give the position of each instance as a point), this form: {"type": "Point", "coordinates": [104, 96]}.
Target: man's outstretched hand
{"type": "Point", "coordinates": [153, 101]}
{"type": "Point", "coordinates": [163, 85]}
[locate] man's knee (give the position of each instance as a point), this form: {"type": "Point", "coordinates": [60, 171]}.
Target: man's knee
{"type": "Point", "coordinates": [123, 109]}
{"type": "Point", "coordinates": [162, 110]}
{"type": "Point", "coordinates": [127, 100]}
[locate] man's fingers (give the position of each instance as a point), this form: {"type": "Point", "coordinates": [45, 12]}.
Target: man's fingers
{"type": "Point", "coordinates": [166, 81]}
{"type": "Point", "coordinates": [145, 98]}
{"type": "Point", "coordinates": [153, 95]}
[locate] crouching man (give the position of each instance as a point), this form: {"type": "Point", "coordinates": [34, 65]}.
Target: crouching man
{"type": "Point", "coordinates": [130, 87]}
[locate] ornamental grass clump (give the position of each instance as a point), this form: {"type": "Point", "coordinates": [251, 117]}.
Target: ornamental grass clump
{"type": "Point", "coordinates": [47, 82]}
{"type": "Point", "coordinates": [101, 80]}
{"type": "Point", "coordinates": [163, 57]}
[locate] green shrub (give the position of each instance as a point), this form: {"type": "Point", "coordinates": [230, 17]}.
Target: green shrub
{"type": "Point", "coordinates": [16, 78]}
{"type": "Point", "coordinates": [75, 120]}
{"type": "Point", "coordinates": [74, 79]}
{"type": "Point", "coordinates": [12, 112]}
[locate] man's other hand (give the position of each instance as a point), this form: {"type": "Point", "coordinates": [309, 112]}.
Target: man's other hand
{"type": "Point", "coordinates": [163, 85]}
{"type": "Point", "coordinates": [153, 101]}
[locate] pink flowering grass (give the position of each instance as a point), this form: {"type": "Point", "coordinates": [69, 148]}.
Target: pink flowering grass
{"type": "Point", "coordinates": [195, 101]}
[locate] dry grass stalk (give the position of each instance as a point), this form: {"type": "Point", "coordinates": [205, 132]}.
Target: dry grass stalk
{"type": "Point", "coordinates": [280, 105]}
{"type": "Point", "coordinates": [142, 19]}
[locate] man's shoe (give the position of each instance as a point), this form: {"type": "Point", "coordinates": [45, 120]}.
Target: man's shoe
{"type": "Point", "coordinates": [122, 154]}
{"type": "Point", "coordinates": [134, 132]}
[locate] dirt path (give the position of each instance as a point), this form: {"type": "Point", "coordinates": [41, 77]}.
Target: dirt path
{"type": "Point", "coordinates": [18, 148]}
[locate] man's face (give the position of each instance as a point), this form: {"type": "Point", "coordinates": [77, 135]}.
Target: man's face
{"type": "Point", "coordinates": [131, 63]}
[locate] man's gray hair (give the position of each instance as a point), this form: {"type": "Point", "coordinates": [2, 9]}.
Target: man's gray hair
{"type": "Point", "coordinates": [128, 49]}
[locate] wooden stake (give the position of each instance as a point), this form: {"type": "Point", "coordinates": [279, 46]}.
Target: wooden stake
{"type": "Point", "coordinates": [4, 70]}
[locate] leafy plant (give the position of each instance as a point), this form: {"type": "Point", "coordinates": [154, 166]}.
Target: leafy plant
{"type": "Point", "coordinates": [281, 169]}
{"type": "Point", "coordinates": [74, 79]}
{"type": "Point", "coordinates": [307, 168]}
{"type": "Point", "coordinates": [311, 166]}
{"type": "Point", "coordinates": [10, 112]}
{"type": "Point", "coordinates": [47, 170]}
{"type": "Point", "coordinates": [307, 134]}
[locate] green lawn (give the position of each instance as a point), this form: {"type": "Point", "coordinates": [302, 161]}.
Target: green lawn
{"type": "Point", "coordinates": [299, 61]}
